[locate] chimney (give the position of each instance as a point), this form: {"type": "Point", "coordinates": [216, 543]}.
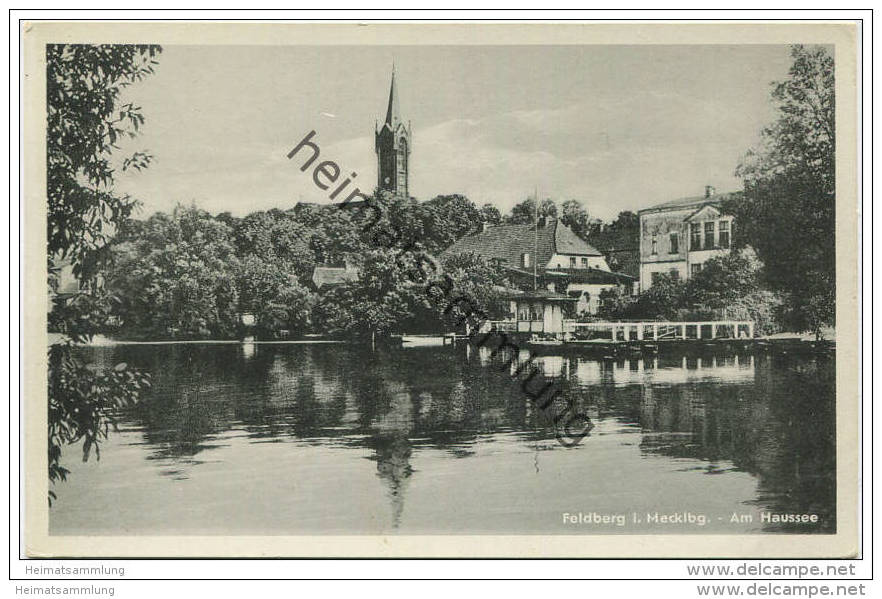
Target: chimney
{"type": "Point", "coordinates": [709, 191]}
{"type": "Point", "coordinates": [484, 226]}
{"type": "Point", "coordinates": [543, 220]}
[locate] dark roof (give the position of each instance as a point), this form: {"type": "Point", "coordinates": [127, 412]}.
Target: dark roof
{"type": "Point", "coordinates": [329, 275]}
{"type": "Point", "coordinates": [625, 261]}
{"type": "Point", "coordinates": [692, 201]}
{"type": "Point", "coordinates": [509, 242]}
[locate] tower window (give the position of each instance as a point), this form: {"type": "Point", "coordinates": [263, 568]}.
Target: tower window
{"type": "Point", "coordinates": [654, 244]}
{"type": "Point", "coordinates": [403, 152]}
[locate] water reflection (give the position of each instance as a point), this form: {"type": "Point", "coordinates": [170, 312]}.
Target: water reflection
{"type": "Point", "coordinates": [771, 417]}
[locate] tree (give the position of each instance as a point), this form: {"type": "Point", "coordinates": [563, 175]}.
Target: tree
{"type": "Point", "coordinates": [662, 300]}
{"type": "Point", "coordinates": [575, 217]}
{"type": "Point", "coordinates": [276, 237]}
{"type": "Point", "coordinates": [178, 279]}
{"type": "Point", "coordinates": [476, 286]}
{"type": "Point", "coordinates": [85, 120]}
{"type": "Point", "coordinates": [787, 212]}
{"type": "Point", "coordinates": [622, 233]}
{"type": "Point", "coordinates": [619, 241]}
{"type": "Point", "coordinates": [332, 233]}
{"type": "Point", "coordinates": [490, 214]}
{"type": "Point", "coordinates": [723, 280]}
{"type": "Point", "coordinates": [446, 218]}
{"type": "Point", "coordinates": [730, 287]}
{"type": "Point", "coordinates": [386, 298]}
{"type": "Point", "coordinates": [626, 221]}
{"type": "Point", "coordinates": [271, 292]}
{"type": "Point", "coordinates": [525, 212]}
{"type": "Point", "coordinates": [616, 303]}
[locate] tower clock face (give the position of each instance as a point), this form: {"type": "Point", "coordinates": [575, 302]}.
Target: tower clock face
{"type": "Point", "coordinates": [386, 180]}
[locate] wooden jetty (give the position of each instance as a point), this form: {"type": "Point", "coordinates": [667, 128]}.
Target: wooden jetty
{"type": "Point", "coordinates": [612, 332]}
{"type": "Point", "coordinates": [662, 331]}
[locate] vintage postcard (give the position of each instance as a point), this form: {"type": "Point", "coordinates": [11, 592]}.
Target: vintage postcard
{"type": "Point", "coordinates": [441, 290]}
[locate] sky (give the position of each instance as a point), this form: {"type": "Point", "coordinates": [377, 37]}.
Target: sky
{"type": "Point", "coordinates": [615, 127]}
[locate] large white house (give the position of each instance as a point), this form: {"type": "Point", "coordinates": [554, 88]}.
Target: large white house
{"type": "Point", "coordinates": [678, 237]}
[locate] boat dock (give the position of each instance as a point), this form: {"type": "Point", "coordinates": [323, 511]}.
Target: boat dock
{"type": "Point", "coordinates": [625, 331]}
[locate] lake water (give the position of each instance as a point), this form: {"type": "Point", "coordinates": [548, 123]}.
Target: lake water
{"type": "Point", "coordinates": [302, 439]}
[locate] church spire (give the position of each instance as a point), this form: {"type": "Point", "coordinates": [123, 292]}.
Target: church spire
{"type": "Point", "coordinates": [392, 144]}
{"type": "Point", "coordinates": [392, 115]}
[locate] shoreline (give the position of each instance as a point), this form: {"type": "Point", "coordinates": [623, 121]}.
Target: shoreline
{"type": "Point", "coordinates": [102, 341]}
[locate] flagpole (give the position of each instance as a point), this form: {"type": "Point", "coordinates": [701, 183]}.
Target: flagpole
{"type": "Point", "coordinates": [535, 236]}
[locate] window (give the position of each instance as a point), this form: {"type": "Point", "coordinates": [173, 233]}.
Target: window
{"type": "Point", "coordinates": [724, 234]}
{"type": "Point", "coordinates": [654, 244]}
{"type": "Point", "coordinates": [572, 262]}
{"type": "Point", "coordinates": [403, 162]}
{"type": "Point", "coordinates": [525, 260]}
{"type": "Point", "coordinates": [696, 268]}
{"type": "Point", "coordinates": [695, 228]}
{"type": "Point", "coordinates": [584, 262]}
{"type": "Point", "coordinates": [655, 277]}
{"type": "Point", "coordinates": [675, 243]}
{"type": "Point", "coordinates": [675, 274]}
{"type": "Point", "coordinates": [709, 235]}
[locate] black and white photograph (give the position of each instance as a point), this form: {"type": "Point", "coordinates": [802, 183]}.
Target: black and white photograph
{"type": "Point", "coordinates": [451, 290]}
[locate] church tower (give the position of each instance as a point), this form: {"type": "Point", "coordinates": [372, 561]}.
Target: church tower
{"type": "Point", "coordinates": [392, 144]}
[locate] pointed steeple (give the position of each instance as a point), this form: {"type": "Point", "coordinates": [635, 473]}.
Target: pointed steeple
{"type": "Point", "coordinates": [392, 115]}
{"type": "Point", "coordinates": [392, 144]}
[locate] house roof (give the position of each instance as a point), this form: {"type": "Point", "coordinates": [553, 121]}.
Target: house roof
{"type": "Point", "coordinates": [509, 242]}
{"type": "Point", "coordinates": [709, 208]}
{"type": "Point", "coordinates": [689, 202]}
{"type": "Point", "coordinates": [329, 275]}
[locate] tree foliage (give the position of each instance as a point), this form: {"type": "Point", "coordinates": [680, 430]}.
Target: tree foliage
{"type": "Point", "coordinates": [386, 298]}
{"type": "Point", "coordinates": [787, 212]}
{"type": "Point", "coordinates": [85, 122]}
{"type": "Point", "coordinates": [190, 275]}
{"type": "Point", "coordinates": [727, 288]}
{"type": "Point", "coordinates": [491, 215]}
{"type": "Point", "coordinates": [477, 284]}
{"type": "Point", "coordinates": [576, 217]}
{"type": "Point", "coordinates": [525, 212]}
{"type": "Point", "coordinates": [446, 218]}
{"type": "Point", "coordinates": [178, 279]}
